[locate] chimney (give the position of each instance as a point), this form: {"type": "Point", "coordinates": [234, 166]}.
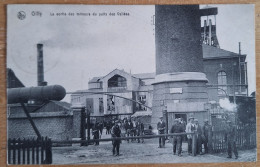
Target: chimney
{"type": "Point", "coordinates": [40, 69]}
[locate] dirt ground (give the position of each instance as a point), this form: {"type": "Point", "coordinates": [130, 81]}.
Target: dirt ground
{"type": "Point", "coordinates": [133, 152]}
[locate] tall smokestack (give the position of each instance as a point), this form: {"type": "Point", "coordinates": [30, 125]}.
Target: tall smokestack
{"type": "Point", "coordinates": [40, 70]}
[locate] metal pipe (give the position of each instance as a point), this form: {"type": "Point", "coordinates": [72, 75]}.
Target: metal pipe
{"type": "Point", "coordinates": [42, 93]}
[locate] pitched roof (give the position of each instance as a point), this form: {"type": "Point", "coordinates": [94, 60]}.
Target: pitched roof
{"type": "Point", "coordinates": [95, 79]}
{"type": "Point", "coordinates": [211, 52]}
{"type": "Point", "coordinates": [12, 80]}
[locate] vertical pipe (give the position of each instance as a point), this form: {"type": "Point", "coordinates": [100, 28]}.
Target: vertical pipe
{"type": "Point", "coordinates": [40, 74]}
{"type": "Point", "coordinates": [210, 35]}
{"type": "Point", "coordinates": [204, 33]}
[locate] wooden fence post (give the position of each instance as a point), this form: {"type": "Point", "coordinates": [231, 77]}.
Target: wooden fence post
{"type": "Point", "coordinates": [28, 151]}
{"type": "Point", "coordinates": [48, 151]}
{"type": "Point", "coordinates": [19, 151]}
{"type": "Point", "coordinates": [42, 149]}
{"type": "Point", "coordinates": [9, 151]}
{"type": "Point", "coordinates": [14, 150]}
{"type": "Point", "coordinates": [23, 148]}
{"type": "Point", "coordinates": [33, 151]}
{"type": "Point", "coordinates": [194, 144]}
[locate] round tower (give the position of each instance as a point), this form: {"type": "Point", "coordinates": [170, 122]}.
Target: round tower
{"type": "Point", "coordinates": [180, 84]}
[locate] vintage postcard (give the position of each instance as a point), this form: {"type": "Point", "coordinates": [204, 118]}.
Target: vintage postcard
{"type": "Point", "coordinates": [128, 84]}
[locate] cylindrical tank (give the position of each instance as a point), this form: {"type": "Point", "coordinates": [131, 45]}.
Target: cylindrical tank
{"type": "Point", "coordinates": [42, 93]}
{"type": "Point", "coordinates": [177, 38]}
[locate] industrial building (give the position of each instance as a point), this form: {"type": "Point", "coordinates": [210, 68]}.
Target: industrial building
{"type": "Point", "coordinates": [214, 74]}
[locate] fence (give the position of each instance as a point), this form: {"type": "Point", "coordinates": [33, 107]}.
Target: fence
{"type": "Point", "coordinates": [30, 151]}
{"type": "Point", "coordinates": [245, 138]}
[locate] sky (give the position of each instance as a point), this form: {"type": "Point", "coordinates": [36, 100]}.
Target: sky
{"type": "Point", "coordinates": [80, 47]}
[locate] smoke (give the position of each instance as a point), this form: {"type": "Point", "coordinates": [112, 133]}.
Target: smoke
{"type": "Point", "coordinates": [225, 104]}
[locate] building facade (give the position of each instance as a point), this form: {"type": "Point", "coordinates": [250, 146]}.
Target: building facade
{"type": "Point", "coordinates": [117, 93]}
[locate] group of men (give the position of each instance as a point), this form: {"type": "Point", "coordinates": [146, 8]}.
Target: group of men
{"type": "Point", "coordinates": [119, 128]}
{"type": "Point", "coordinates": [134, 128]}
{"type": "Point", "coordinates": [131, 128]}
{"type": "Point", "coordinates": [202, 135]}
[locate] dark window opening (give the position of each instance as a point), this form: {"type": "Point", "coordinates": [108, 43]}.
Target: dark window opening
{"type": "Point", "coordinates": [117, 81]}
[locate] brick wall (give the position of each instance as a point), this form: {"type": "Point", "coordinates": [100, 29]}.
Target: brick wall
{"type": "Point", "coordinates": [57, 126]}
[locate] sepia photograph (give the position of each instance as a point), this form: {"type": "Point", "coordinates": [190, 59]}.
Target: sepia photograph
{"type": "Point", "coordinates": [131, 84]}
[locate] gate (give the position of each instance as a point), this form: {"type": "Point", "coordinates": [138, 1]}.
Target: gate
{"type": "Point", "coordinates": [30, 151]}
{"type": "Point", "coordinates": [245, 138]}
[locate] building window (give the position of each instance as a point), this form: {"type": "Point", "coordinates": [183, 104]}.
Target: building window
{"type": "Point", "coordinates": [101, 108]}
{"type": "Point", "coordinates": [141, 99]}
{"type": "Point", "coordinates": [110, 103]}
{"type": "Point", "coordinates": [117, 81]}
{"type": "Point", "coordinates": [222, 83]}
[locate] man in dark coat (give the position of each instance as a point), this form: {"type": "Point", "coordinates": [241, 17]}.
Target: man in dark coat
{"type": "Point", "coordinates": [101, 127]}
{"type": "Point", "coordinates": [140, 130]}
{"type": "Point", "coordinates": [177, 127]}
{"type": "Point", "coordinates": [115, 133]}
{"type": "Point", "coordinates": [128, 128]}
{"type": "Point", "coordinates": [95, 132]}
{"type": "Point", "coordinates": [206, 129]}
{"type": "Point", "coordinates": [161, 130]}
{"type": "Point", "coordinates": [231, 139]}
{"type": "Point", "coordinates": [199, 137]}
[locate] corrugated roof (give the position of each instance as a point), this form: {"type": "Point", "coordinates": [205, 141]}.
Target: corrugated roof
{"type": "Point", "coordinates": [210, 52]}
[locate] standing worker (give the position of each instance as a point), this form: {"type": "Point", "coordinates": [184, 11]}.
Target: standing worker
{"type": "Point", "coordinates": [95, 133]}
{"type": "Point", "coordinates": [190, 128]}
{"type": "Point", "coordinates": [140, 130]}
{"type": "Point", "coordinates": [161, 130]}
{"type": "Point", "coordinates": [199, 136]}
{"type": "Point", "coordinates": [205, 134]}
{"type": "Point", "coordinates": [116, 133]}
{"type": "Point", "coordinates": [177, 140]}
{"type": "Point", "coordinates": [231, 139]}
{"type": "Point", "coordinates": [128, 128]}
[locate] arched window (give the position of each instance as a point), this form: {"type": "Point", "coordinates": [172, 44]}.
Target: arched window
{"type": "Point", "coordinates": [117, 81]}
{"type": "Point", "coordinates": [222, 82]}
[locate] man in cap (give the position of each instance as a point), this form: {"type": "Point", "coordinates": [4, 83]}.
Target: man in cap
{"type": "Point", "coordinates": [140, 130]}
{"type": "Point", "coordinates": [177, 140]}
{"type": "Point", "coordinates": [199, 136]}
{"type": "Point", "coordinates": [116, 133]}
{"type": "Point", "coordinates": [206, 129]}
{"type": "Point", "coordinates": [161, 128]}
{"type": "Point", "coordinates": [128, 128]}
{"type": "Point", "coordinates": [231, 139]}
{"type": "Point", "coordinates": [190, 128]}
{"type": "Point", "coordinates": [95, 133]}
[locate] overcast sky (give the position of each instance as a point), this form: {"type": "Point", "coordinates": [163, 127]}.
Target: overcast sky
{"type": "Point", "coordinates": [77, 48]}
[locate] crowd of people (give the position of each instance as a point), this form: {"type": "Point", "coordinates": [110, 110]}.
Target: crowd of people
{"type": "Point", "coordinates": [134, 127]}
{"type": "Point", "coordinates": [202, 136]}
{"type": "Point", "coordinates": [119, 128]}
